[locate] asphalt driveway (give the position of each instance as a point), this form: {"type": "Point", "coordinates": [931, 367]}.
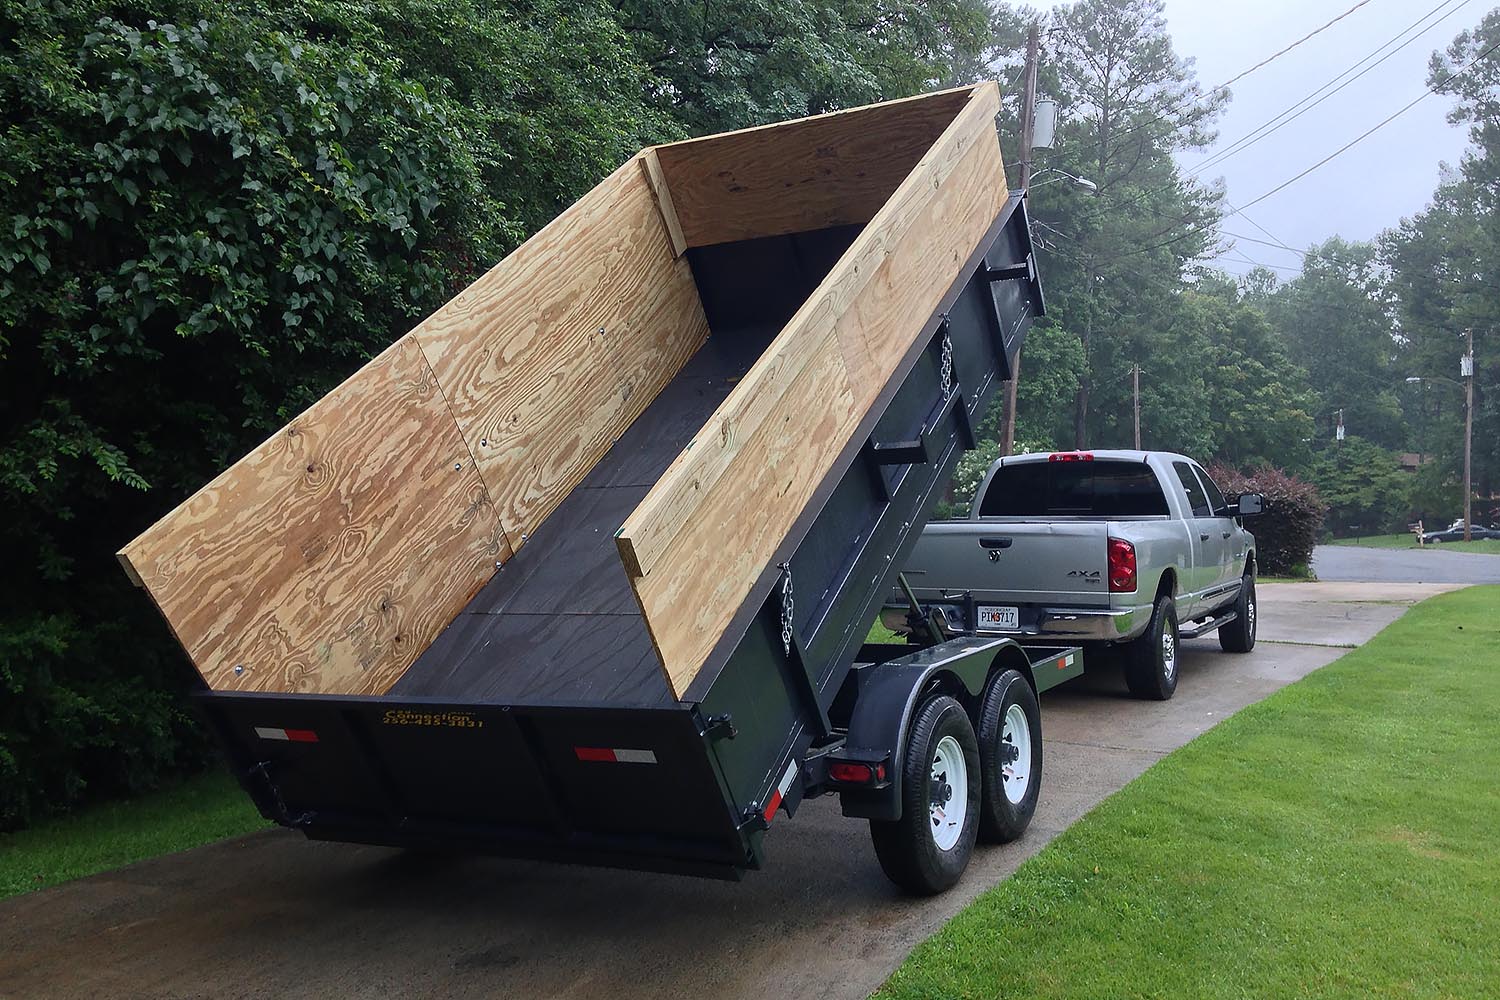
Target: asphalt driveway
{"type": "Point", "coordinates": [272, 915]}
{"type": "Point", "coordinates": [1433, 564]}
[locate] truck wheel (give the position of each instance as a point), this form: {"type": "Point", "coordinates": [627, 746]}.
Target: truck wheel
{"type": "Point", "coordinates": [1151, 660]}
{"type": "Point", "coordinates": [928, 848]}
{"type": "Point", "coordinates": [1010, 758]}
{"type": "Point", "coordinates": [1239, 635]}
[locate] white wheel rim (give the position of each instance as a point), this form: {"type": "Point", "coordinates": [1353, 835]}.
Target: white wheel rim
{"type": "Point", "coordinates": [1250, 614]}
{"type": "Point", "coordinates": [1016, 774]}
{"type": "Point", "coordinates": [949, 797]}
{"type": "Point", "coordinates": [1168, 652]}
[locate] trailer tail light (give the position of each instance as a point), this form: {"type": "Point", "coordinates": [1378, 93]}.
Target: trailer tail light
{"type": "Point", "coordinates": [1071, 456]}
{"type": "Point", "coordinates": [851, 772]}
{"type": "Point", "coordinates": [1121, 566]}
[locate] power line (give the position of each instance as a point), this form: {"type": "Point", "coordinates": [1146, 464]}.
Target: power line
{"type": "Point", "coordinates": [1291, 114]}
{"type": "Point", "coordinates": [1342, 149]}
{"type": "Point", "coordinates": [1277, 55]}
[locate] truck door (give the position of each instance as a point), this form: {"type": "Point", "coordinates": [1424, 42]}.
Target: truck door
{"type": "Point", "coordinates": [1224, 537]}
{"type": "Point", "coordinates": [1203, 535]}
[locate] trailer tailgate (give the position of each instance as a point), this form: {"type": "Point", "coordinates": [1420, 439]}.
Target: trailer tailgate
{"type": "Point", "coordinates": [637, 787]}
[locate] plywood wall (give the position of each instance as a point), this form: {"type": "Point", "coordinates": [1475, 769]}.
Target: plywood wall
{"type": "Point", "coordinates": [707, 531]}
{"type": "Point", "coordinates": [329, 558]}
{"type": "Point", "coordinates": [812, 173]}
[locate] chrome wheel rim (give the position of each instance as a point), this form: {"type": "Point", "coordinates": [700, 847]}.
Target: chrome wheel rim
{"type": "Point", "coordinates": [1015, 774]}
{"type": "Point", "coordinates": [1168, 652]}
{"type": "Point", "coordinates": [949, 802]}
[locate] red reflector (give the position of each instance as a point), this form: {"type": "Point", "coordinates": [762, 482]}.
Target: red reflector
{"type": "Point", "coordinates": [302, 736]}
{"type": "Point", "coordinates": [594, 753]}
{"type": "Point", "coordinates": [1121, 566]}
{"type": "Point", "coordinates": [1071, 456]}
{"type": "Point", "coordinates": [855, 773]}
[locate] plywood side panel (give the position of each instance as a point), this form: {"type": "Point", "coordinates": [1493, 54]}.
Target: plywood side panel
{"type": "Point", "coordinates": [329, 557]}
{"type": "Point", "coordinates": [764, 389]}
{"type": "Point", "coordinates": [813, 173]}
{"type": "Point", "coordinates": [713, 522]}
{"type": "Point", "coordinates": [547, 358]}
{"type": "Point", "coordinates": [735, 528]}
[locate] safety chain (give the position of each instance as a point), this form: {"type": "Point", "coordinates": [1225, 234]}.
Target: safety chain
{"type": "Point", "coordinates": [786, 608]}
{"type": "Point", "coordinates": [946, 375]}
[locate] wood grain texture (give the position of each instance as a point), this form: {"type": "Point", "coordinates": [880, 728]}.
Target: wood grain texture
{"type": "Point", "coordinates": [547, 358]}
{"type": "Point", "coordinates": [812, 173]}
{"type": "Point", "coordinates": [708, 529]}
{"type": "Point", "coordinates": [329, 557]}
{"type": "Point", "coordinates": [651, 167]}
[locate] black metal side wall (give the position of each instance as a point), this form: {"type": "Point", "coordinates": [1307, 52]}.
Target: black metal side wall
{"type": "Point", "coordinates": [845, 554]}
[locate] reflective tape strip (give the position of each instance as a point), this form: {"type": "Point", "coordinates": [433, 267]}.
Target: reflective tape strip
{"type": "Point", "coordinates": [1065, 662]}
{"type": "Point", "coordinates": [615, 755]}
{"type": "Point", "coordinates": [289, 735]}
{"type": "Point", "coordinates": [782, 788]}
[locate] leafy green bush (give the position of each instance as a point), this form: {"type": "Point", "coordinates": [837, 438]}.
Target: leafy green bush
{"type": "Point", "coordinates": [1286, 533]}
{"type": "Point", "coordinates": [1367, 491]}
{"type": "Point", "coordinates": [209, 218]}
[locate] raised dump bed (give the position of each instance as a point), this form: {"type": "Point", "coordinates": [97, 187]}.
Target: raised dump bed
{"type": "Point", "coordinates": [581, 567]}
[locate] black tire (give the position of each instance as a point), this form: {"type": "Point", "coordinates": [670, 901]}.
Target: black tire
{"type": "Point", "coordinates": [907, 848]}
{"type": "Point", "coordinates": [1239, 635]}
{"type": "Point", "coordinates": [1151, 661]}
{"type": "Point", "coordinates": [1002, 820]}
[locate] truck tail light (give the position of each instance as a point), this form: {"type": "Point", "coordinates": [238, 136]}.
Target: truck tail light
{"type": "Point", "coordinates": [1121, 566]}
{"type": "Point", "coordinates": [1071, 456]}
{"type": "Point", "coordinates": [854, 773]}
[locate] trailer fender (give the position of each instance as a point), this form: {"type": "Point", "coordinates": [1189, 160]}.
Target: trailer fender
{"type": "Point", "coordinates": [888, 697]}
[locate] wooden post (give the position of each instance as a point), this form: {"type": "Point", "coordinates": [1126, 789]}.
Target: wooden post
{"type": "Point", "coordinates": [1028, 125]}
{"type": "Point", "coordinates": [1135, 388]}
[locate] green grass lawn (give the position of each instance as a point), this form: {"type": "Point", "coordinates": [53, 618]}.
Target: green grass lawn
{"type": "Point", "coordinates": [1409, 541]}
{"type": "Point", "coordinates": [1339, 839]}
{"type": "Point", "coordinates": [200, 810]}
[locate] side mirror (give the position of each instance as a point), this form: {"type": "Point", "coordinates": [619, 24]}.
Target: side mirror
{"type": "Point", "coordinates": [1250, 504]}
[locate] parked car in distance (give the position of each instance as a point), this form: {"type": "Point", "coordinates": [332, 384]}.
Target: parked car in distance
{"type": "Point", "coordinates": [1134, 549]}
{"type": "Point", "coordinates": [1455, 533]}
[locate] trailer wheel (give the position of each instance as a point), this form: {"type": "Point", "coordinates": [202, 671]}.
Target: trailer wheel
{"type": "Point", "coordinates": [928, 848]}
{"type": "Point", "coordinates": [1010, 758]}
{"type": "Point", "coordinates": [1239, 635]}
{"type": "Point", "coordinates": [1151, 660]}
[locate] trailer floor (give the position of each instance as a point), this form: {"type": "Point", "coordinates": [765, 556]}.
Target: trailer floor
{"type": "Point", "coordinates": [559, 624]}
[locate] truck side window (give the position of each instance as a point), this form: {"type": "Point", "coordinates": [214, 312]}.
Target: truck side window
{"type": "Point", "coordinates": [1197, 499]}
{"type": "Point", "coordinates": [1215, 498]}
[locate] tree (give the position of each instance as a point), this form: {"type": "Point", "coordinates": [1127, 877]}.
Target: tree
{"type": "Point", "coordinates": [731, 65]}
{"type": "Point", "coordinates": [1115, 260]}
{"type": "Point", "coordinates": [212, 217]}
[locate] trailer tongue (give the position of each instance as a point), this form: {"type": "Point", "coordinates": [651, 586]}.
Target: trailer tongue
{"type": "Point", "coordinates": [582, 568]}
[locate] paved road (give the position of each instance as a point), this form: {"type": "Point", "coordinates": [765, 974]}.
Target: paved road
{"type": "Point", "coordinates": [1430, 565]}
{"type": "Point", "coordinates": [271, 915]}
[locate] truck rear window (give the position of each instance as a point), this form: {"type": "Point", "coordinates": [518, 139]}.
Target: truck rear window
{"type": "Point", "coordinates": [1073, 489]}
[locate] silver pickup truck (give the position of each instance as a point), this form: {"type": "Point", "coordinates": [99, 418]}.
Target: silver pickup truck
{"type": "Point", "coordinates": [1136, 549]}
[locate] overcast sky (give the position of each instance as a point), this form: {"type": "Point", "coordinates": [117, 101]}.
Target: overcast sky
{"type": "Point", "coordinates": [1372, 186]}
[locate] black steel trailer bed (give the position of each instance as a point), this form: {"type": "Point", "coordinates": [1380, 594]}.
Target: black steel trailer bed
{"type": "Point", "coordinates": [539, 724]}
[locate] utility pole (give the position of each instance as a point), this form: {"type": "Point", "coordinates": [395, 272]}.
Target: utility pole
{"type": "Point", "coordinates": [1028, 124]}
{"type": "Point", "coordinates": [1466, 370]}
{"type": "Point", "coordinates": [1135, 389]}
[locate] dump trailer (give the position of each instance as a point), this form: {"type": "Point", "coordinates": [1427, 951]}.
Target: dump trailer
{"type": "Point", "coordinates": [582, 567]}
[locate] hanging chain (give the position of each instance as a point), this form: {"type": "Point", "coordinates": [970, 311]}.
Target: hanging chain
{"type": "Point", "coordinates": [786, 608]}
{"type": "Point", "coordinates": [946, 375]}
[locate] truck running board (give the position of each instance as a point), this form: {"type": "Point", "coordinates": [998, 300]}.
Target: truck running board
{"type": "Point", "coordinates": [1202, 628]}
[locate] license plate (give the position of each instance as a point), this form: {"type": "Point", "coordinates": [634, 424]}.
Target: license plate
{"type": "Point", "coordinates": [1002, 619]}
